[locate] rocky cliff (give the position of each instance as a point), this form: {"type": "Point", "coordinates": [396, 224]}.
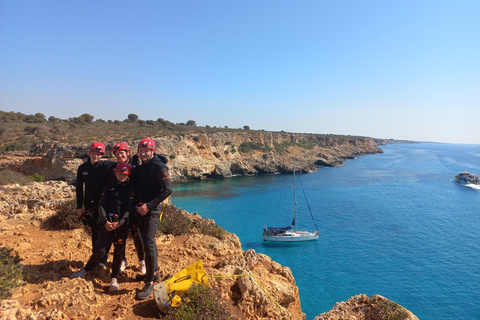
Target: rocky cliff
{"type": "Point", "coordinates": [221, 154]}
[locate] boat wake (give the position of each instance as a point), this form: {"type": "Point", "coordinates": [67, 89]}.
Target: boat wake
{"type": "Point", "coordinates": [473, 186]}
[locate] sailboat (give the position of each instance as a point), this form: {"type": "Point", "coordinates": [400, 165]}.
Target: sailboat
{"type": "Point", "coordinates": [290, 233]}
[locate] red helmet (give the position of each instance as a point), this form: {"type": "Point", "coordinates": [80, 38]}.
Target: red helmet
{"type": "Point", "coordinates": [121, 146]}
{"type": "Point", "coordinates": [147, 143]}
{"type": "Point", "coordinates": [124, 168]}
{"type": "Point", "coordinates": [98, 147]}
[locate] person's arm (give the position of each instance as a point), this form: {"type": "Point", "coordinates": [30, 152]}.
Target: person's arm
{"type": "Point", "coordinates": [165, 182]}
{"type": "Point", "coordinates": [79, 192]}
{"type": "Point", "coordinates": [102, 206]}
{"type": "Point", "coordinates": [129, 207]}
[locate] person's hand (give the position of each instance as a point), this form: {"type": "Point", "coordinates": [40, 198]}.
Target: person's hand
{"type": "Point", "coordinates": [109, 226]}
{"type": "Point", "coordinates": [80, 211]}
{"type": "Point", "coordinates": [142, 209]}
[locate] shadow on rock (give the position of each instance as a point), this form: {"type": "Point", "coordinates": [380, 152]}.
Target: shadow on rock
{"type": "Point", "coordinates": [50, 271]}
{"type": "Point", "coordinates": [146, 309]}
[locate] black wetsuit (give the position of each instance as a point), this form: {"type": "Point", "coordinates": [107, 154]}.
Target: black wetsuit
{"type": "Point", "coordinates": [152, 186]}
{"type": "Point", "coordinates": [91, 179]}
{"type": "Point", "coordinates": [137, 238]}
{"type": "Point", "coordinates": [115, 205]}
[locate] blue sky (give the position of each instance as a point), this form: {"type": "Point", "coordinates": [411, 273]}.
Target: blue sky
{"type": "Point", "coordinates": [384, 69]}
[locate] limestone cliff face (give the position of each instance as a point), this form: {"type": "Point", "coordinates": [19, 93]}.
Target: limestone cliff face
{"type": "Point", "coordinates": [221, 154]}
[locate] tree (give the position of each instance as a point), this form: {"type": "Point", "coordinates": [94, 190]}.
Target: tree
{"type": "Point", "coordinates": [88, 118]}
{"type": "Point", "coordinates": [191, 123]}
{"type": "Point", "coordinates": [246, 127]}
{"type": "Point", "coordinates": [31, 129]}
{"type": "Point", "coordinates": [40, 117]}
{"type": "Point", "coordinates": [132, 117]}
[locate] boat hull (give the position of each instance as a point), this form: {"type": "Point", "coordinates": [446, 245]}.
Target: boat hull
{"type": "Point", "coordinates": [293, 236]}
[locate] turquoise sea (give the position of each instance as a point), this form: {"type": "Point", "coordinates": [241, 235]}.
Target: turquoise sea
{"type": "Point", "coordinates": [394, 224]}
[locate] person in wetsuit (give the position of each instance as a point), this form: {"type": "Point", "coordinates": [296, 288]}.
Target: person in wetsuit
{"type": "Point", "coordinates": [91, 178]}
{"type": "Point", "coordinates": [121, 151]}
{"type": "Point", "coordinates": [115, 205]}
{"type": "Point", "coordinates": [152, 186]}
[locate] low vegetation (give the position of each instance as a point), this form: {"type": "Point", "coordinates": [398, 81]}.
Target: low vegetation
{"type": "Point", "coordinates": [177, 222]}
{"type": "Point", "coordinates": [174, 222]}
{"type": "Point", "coordinates": [388, 310]}
{"type": "Point", "coordinates": [11, 276]}
{"type": "Point", "coordinates": [200, 302]}
{"type": "Point", "coordinates": [65, 218]}
{"type": "Point", "coordinates": [210, 228]}
{"type": "Point", "coordinates": [12, 177]}
{"type": "Point", "coordinates": [37, 134]}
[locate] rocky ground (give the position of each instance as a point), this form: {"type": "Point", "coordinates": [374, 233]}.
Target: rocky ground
{"type": "Point", "coordinates": [50, 257]}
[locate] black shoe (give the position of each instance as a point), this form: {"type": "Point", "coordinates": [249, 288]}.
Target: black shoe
{"type": "Point", "coordinates": [146, 292]}
{"type": "Point", "coordinates": [142, 277]}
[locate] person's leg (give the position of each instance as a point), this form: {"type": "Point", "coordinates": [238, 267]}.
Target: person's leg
{"type": "Point", "coordinates": [102, 242]}
{"type": "Point", "coordinates": [120, 236]}
{"type": "Point", "coordinates": [148, 228]}
{"type": "Point", "coordinates": [138, 241]}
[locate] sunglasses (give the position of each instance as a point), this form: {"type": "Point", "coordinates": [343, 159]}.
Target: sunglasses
{"type": "Point", "coordinates": [98, 149]}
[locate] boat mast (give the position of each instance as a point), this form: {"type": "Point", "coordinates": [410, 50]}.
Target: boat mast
{"type": "Point", "coordinates": [294, 198]}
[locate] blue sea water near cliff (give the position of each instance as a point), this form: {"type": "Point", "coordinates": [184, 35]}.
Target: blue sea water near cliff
{"type": "Point", "coordinates": [394, 224]}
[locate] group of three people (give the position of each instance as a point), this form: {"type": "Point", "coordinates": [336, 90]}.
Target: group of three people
{"type": "Point", "coordinates": [113, 197]}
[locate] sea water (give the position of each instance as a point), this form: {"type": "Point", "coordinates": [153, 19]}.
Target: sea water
{"type": "Point", "coordinates": [395, 224]}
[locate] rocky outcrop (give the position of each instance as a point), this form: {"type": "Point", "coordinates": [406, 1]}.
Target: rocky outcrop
{"type": "Point", "coordinates": [362, 307]}
{"type": "Point", "coordinates": [215, 155]}
{"type": "Point", "coordinates": [16, 199]}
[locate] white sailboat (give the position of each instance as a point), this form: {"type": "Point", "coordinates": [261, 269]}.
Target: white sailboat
{"type": "Point", "coordinates": [290, 233]}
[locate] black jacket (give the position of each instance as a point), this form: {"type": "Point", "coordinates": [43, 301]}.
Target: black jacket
{"type": "Point", "coordinates": [152, 183]}
{"type": "Point", "coordinates": [117, 198]}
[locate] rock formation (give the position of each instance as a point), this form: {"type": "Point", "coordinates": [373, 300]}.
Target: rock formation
{"type": "Point", "coordinates": [220, 154]}
{"type": "Point", "coordinates": [362, 307]}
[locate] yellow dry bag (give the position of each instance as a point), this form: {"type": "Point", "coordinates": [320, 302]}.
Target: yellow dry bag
{"type": "Point", "coordinates": [168, 293]}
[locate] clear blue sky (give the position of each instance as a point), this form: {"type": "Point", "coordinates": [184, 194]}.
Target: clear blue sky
{"type": "Point", "coordinates": [405, 69]}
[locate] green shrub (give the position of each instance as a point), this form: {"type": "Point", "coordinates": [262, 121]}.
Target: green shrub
{"type": "Point", "coordinates": [174, 222]}
{"type": "Point", "coordinates": [37, 177]}
{"type": "Point", "coordinates": [11, 276]}
{"type": "Point", "coordinates": [10, 177]}
{"type": "Point", "coordinates": [248, 147]}
{"type": "Point", "coordinates": [209, 228]}
{"type": "Point", "coordinates": [387, 310]}
{"type": "Point", "coordinates": [200, 302]}
{"type": "Point", "coordinates": [66, 217]}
